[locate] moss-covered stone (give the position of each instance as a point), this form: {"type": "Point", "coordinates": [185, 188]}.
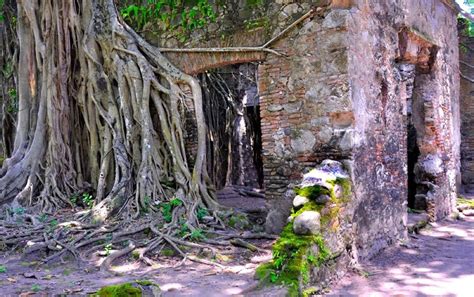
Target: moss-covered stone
{"type": "Point", "coordinates": [293, 257]}
{"type": "Point", "coordinates": [133, 289]}
{"type": "Point", "coordinates": [120, 290]}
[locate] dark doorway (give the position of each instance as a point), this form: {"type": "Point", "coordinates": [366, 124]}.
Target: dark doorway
{"type": "Point", "coordinates": [415, 116]}
{"type": "Point", "coordinates": [231, 105]}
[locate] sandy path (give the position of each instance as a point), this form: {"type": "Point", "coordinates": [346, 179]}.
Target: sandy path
{"type": "Point", "coordinates": [437, 262]}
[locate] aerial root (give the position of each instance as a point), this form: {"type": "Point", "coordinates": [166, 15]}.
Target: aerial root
{"type": "Point", "coordinates": [141, 238]}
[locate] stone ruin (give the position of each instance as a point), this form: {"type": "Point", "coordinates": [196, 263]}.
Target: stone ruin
{"type": "Point", "coordinates": [372, 86]}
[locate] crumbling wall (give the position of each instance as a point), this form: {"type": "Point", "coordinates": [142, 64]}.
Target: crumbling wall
{"type": "Point", "coordinates": [467, 112]}
{"type": "Point", "coordinates": [379, 95]}
{"type": "Point", "coordinates": [306, 109]}
{"type": "Point", "coordinates": [340, 93]}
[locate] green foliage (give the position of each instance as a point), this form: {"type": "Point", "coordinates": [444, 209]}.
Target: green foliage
{"type": "Point", "coordinates": [2, 15]}
{"type": "Point", "coordinates": [43, 217]}
{"type": "Point", "coordinates": [36, 288]}
{"type": "Point", "coordinates": [53, 224]}
{"type": "Point", "coordinates": [196, 235]}
{"type": "Point", "coordinates": [167, 252]}
{"type": "Point", "coordinates": [87, 200]}
{"type": "Point", "coordinates": [13, 102]}
{"type": "Point", "coordinates": [167, 208]}
{"type": "Point", "coordinates": [108, 249]}
{"type": "Point", "coordinates": [74, 199]}
{"type": "Point", "coordinates": [176, 202]}
{"type": "Point", "coordinates": [184, 230]}
{"type": "Point", "coordinates": [121, 290]}
{"type": "Point", "coordinates": [169, 14]}
{"type": "Point", "coordinates": [254, 3]}
{"type": "Point", "coordinates": [201, 213]}
{"type": "Point", "coordinates": [3, 269]}
{"type": "Point", "coordinates": [239, 221]}
{"type": "Point", "coordinates": [17, 210]}
{"type": "Point", "coordinates": [135, 254]}
{"type": "Point", "coordinates": [8, 69]}
{"type": "Point", "coordinates": [464, 201]}
{"type": "Point", "coordinates": [263, 22]}
{"type": "Point", "coordinates": [467, 25]}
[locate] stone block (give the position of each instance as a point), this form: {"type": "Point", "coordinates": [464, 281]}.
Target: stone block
{"type": "Point", "coordinates": [307, 223]}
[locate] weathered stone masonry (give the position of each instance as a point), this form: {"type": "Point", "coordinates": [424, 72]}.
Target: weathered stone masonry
{"type": "Point", "coordinates": [467, 114]}
{"type": "Point", "coordinates": [305, 107]}
{"type": "Point", "coordinates": [379, 99]}
{"type": "Point", "coordinates": [341, 96]}
{"type": "Point", "coordinates": [350, 83]}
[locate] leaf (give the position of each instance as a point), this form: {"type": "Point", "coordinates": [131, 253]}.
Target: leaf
{"type": "Point", "coordinates": [36, 288]}
{"type": "Point", "coordinates": [273, 277]}
{"type": "Point", "coordinates": [3, 269]}
{"type": "Point", "coordinates": [176, 202]}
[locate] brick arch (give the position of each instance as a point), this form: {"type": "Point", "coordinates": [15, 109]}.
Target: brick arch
{"type": "Point", "coordinates": [194, 63]}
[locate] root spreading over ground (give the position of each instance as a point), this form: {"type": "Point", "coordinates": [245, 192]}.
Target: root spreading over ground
{"type": "Point", "coordinates": [100, 114]}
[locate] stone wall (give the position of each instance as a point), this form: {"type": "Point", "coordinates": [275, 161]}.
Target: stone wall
{"type": "Point", "coordinates": [340, 92]}
{"type": "Point", "coordinates": [305, 107]}
{"type": "Point", "coordinates": [379, 96]}
{"type": "Point", "coordinates": [467, 112]}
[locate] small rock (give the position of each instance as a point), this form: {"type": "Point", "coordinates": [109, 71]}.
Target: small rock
{"type": "Point", "coordinates": [323, 199]}
{"type": "Point", "coordinates": [274, 108]}
{"type": "Point", "coordinates": [307, 223]}
{"type": "Point", "coordinates": [299, 201]}
{"type": "Point", "coordinates": [29, 275]}
{"type": "Point", "coordinates": [431, 165]}
{"type": "Point", "coordinates": [304, 142]}
{"type": "Point", "coordinates": [336, 19]}
{"type": "Point", "coordinates": [291, 9]}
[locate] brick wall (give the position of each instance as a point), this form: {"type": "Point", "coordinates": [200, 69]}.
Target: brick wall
{"type": "Point", "coordinates": [467, 111]}
{"type": "Point", "coordinates": [305, 107]}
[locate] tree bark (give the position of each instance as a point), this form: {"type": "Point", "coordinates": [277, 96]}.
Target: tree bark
{"type": "Point", "coordinates": [88, 90]}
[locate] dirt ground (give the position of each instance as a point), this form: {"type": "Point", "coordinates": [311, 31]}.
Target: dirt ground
{"type": "Point", "coordinates": [438, 261]}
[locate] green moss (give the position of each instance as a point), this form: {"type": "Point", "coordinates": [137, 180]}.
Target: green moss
{"type": "Point", "coordinates": [167, 252]}
{"type": "Point", "coordinates": [121, 290]}
{"type": "Point", "coordinates": [310, 291]}
{"type": "Point", "coordinates": [312, 192]}
{"type": "Point", "coordinates": [135, 254]}
{"type": "Point", "coordinates": [146, 282]}
{"type": "Point", "coordinates": [293, 254]}
{"type": "Point", "coordinates": [464, 201]}
{"type": "Point", "coordinates": [239, 221]}
{"type": "Point", "coordinates": [292, 260]}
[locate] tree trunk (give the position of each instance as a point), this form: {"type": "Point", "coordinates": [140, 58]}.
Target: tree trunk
{"type": "Point", "coordinates": [99, 110]}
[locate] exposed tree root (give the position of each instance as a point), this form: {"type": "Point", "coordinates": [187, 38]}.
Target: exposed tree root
{"type": "Point", "coordinates": [100, 114]}
{"type": "Point", "coordinates": [49, 241]}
